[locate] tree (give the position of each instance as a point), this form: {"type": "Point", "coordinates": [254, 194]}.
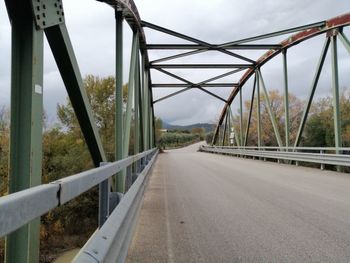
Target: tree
{"type": "Point", "coordinates": [101, 95]}
{"type": "Point", "coordinates": [277, 104]}
{"type": "Point", "coordinates": [158, 127]}
{"type": "Point", "coordinates": [199, 131]}
{"type": "Point", "coordinates": [66, 153]}
{"type": "Point", "coordinates": [319, 129]}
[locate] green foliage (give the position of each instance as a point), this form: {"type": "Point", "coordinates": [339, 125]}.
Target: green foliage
{"type": "Point", "coordinates": [209, 137]}
{"type": "Point", "coordinates": [175, 139]}
{"type": "Point", "coordinates": [158, 123]}
{"type": "Point", "coordinates": [319, 130]}
{"type": "Point", "coordinates": [66, 153]}
{"type": "Point", "coordinates": [199, 131]}
{"type": "Point", "coordinates": [101, 95]}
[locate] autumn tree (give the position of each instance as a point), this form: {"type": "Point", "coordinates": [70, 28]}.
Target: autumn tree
{"type": "Point", "coordinates": [199, 131]}
{"type": "Point", "coordinates": [267, 132]}
{"type": "Point", "coordinates": [319, 128]}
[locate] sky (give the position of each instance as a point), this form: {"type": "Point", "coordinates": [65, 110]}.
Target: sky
{"type": "Point", "coordinates": [92, 30]}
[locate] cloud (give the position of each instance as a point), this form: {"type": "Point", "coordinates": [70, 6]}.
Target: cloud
{"type": "Point", "coordinates": [92, 30]}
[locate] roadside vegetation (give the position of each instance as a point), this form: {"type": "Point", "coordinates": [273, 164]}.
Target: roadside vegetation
{"type": "Point", "coordinates": [318, 130]}
{"type": "Point", "coordinates": [172, 139]}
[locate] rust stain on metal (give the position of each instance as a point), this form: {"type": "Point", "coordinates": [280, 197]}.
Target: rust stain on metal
{"type": "Point", "coordinates": [339, 21]}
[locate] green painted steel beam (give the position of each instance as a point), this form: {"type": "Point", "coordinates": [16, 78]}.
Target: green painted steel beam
{"type": "Point", "coordinates": [194, 40]}
{"type": "Point", "coordinates": [229, 128]}
{"type": "Point", "coordinates": [131, 88]}
{"type": "Point", "coordinates": [241, 41]}
{"type": "Point", "coordinates": [152, 121]}
{"type": "Point", "coordinates": [201, 66]}
{"type": "Point", "coordinates": [128, 113]}
{"type": "Point", "coordinates": [250, 114]}
{"type": "Point", "coordinates": [238, 142]}
{"type": "Point", "coordinates": [231, 72]}
{"type": "Point", "coordinates": [172, 94]}
{"type": "Point", "coordinates": [258, 108]}
{"type": "Point", "coordinates": [312, 91]}
{"type": "Point", "coordinates": [345, 41]}
{"type": "Point", "coordinates": [136, 106]}
{"type": "Point", "coordinates": [274, 34]}
{"type": "Point", "coordinates": [241, 116]}
{"type": "Point", "coordinates": [63, 53]}
{"type": "Point", "coordinates": [141, 80]}
{"type": "Point", "coordinates": [184, 85]}
{"type": "Point", "coordinates": [269, 109]}
{"type": "Point", "coordinates": [150, 103]}
{"type": "Point", "coordinates": [211, 94]}
{"type": "Point", "coordinates": [225, 128]}
{"type": "Point", "coordinates": [286, 96]}
{"type": "Point", "coordinates": [119, 96]}
{"type": "Point", "coordinates": [146, 110]}
{"type": "Point", "coordinates": [26, 123]}
{"type": "Point", "coordinates": [192, 46]}
{"type": "Point", "coordinates": [335, 89]}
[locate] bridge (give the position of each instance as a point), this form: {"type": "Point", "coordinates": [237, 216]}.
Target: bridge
{"type": "Point", "coordinates": [203, 203]}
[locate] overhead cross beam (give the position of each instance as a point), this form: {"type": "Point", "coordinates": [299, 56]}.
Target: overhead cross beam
{"type": "Point", "coordinates": [241, 41]}
{"type": "Point", "coordinates": [201, 66]}
{"type": "Point", "coordinates": [194, 40]}
{"type": "Point", "coordinates": [183, 85]}
{"type": "Point", "coordinates": [215, 47]}
{"type": "Point", "coordinates": [187, 84]}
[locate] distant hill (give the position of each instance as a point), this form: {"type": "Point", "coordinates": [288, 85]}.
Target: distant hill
{"type": "Point", "coordinates": [208, 127]}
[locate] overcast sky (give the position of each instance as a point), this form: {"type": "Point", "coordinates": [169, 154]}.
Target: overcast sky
{"type": "Point", "coordinates": [91, 27]}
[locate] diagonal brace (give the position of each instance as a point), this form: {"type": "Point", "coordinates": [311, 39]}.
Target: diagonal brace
{"type": "Point", "coordinates": [63, 52]}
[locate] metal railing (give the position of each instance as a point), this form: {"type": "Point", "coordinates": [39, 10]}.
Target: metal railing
{"type": "Point", "coordinates": [320, 155]}
{"type": "Point", "coordinates": [20, 208]}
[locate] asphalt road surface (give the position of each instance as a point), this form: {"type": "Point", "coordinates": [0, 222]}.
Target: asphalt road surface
{"type": "Point", "coordinates": [201, 207]}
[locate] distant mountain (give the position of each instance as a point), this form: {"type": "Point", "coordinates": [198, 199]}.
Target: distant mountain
{"type": "Point", "coordinates": [208, 127]}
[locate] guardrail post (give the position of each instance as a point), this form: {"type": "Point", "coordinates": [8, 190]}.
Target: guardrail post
{"type": "Point", "coordinates": [103, 207]}
{"type": "Point", "coordinates": [322, 164]}
{"type": "Point", "coordinates": [296, 162]}
{"type": "Point", "coordinates": [128, 177]}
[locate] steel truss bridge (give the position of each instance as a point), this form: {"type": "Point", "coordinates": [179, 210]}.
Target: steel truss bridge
{"type": "Point", "coordinates": [120, 199]}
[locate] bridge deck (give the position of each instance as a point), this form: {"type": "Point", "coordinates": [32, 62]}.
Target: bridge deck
{"type": "Point", "coordinates": [201, 207]}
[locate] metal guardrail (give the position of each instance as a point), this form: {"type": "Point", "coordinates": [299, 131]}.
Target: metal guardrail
{"type": "Point", "coordinates": [290, 149]}
{"type": "Point", "coordinates": [291, 154]}
{"type": "Point", "coordinates": [20, 208]}
{"type": "Point", "coordinates": [110, 243]}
